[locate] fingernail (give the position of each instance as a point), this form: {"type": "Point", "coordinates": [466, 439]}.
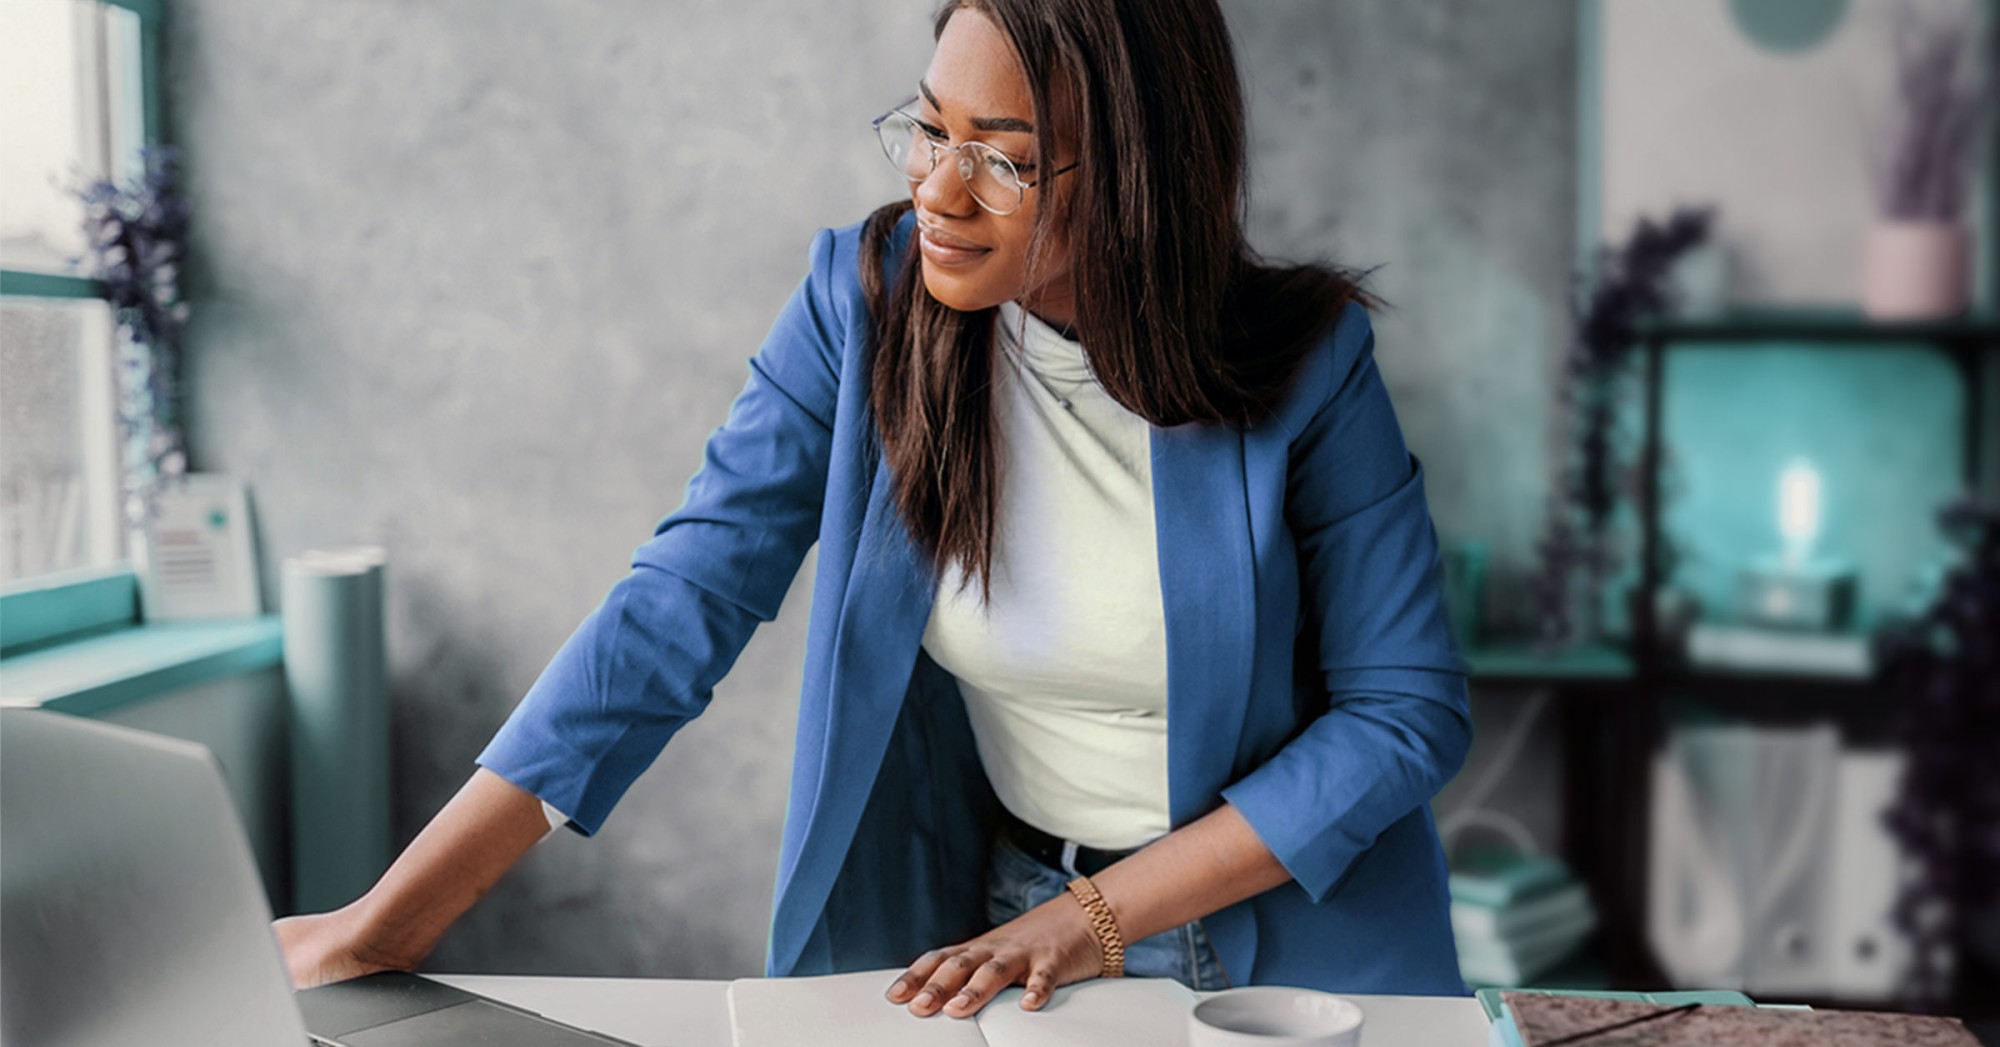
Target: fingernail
{"type": "Point", "coordinates": [961, 1000]}
{"type": "Point", "coordinates": [1031, 997]}
{"type": "Point", "coordinates": [923, 999]}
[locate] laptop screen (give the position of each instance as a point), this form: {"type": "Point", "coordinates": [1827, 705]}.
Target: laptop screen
{"type": "Point", "coordinates": [132, 906]}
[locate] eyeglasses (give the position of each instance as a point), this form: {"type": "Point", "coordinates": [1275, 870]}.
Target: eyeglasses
{"type": "Point", "coordinates": [915, 147]}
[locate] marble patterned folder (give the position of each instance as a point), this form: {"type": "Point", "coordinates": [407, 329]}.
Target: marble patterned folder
{"type": "Point", "coordinates": [1544, 1018]}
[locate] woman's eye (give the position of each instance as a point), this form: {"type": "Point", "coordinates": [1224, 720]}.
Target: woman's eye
{"type": "Point", "coordinates": [935, 134]}
{"type": "Point", "coordinates": [1003, 165]}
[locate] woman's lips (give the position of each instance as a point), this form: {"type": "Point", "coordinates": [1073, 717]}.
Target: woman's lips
{"type": "Point", "coordinates": [942, 248]}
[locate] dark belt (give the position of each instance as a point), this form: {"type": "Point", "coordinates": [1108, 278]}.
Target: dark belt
{"type": "Point", "coordinates": [1048, 849]}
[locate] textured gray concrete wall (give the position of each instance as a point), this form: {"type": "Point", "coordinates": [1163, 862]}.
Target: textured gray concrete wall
{"type": "Point", "coordinates": [475, 279]}
{"type": "Point", "coordinates": [1436, 140]}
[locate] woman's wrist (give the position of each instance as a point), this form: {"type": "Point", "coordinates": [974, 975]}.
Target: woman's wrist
{"type": "Point", "coordinates": [1103, 926]}
{"type": "Point", "coordinates": [1213, 862]}
{"type": "Point", "coordinates": [387, 933]}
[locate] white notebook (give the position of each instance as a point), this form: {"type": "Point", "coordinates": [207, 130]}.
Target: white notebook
{"type": "Point", "coordinates": [850, 1010]}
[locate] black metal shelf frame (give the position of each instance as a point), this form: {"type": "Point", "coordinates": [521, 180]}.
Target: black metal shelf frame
{"type": "Point", "coordinates": [1611, 744]}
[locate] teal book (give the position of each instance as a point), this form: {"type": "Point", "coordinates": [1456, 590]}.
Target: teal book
{"type": "Point", "coordinates": [1515, 963]}
{"type": "Point", "coordinates": [1561, 905]}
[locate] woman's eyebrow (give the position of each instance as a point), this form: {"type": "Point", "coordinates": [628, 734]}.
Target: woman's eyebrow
{"type": "Point", "coordinates": [983, 123]}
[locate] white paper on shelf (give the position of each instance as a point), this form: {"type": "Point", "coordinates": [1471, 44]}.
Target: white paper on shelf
{"type": "Point", "coordinates": [1836, 655]}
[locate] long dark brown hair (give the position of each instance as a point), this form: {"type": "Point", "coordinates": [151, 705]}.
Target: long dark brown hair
{"type": "Point", "coordinates": [1180, 319]}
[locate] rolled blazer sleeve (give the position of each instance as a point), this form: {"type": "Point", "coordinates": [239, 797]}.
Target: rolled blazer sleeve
{"type": "Point", "coordinates": [1396, 726]}
{"type": "Point", "coordinates": [647, 659]}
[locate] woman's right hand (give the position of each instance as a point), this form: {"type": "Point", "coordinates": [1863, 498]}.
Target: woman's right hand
{"type": "Point", "coordinates": [458, 857]}
{"type": "Point", "coordinates": [329, 947]}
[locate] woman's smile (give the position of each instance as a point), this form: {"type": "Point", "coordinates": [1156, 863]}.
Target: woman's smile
{"type": "Point", "coordinates": [946, 249]}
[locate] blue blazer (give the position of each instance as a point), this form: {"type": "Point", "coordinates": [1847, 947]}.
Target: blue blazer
{"type": "Point", "coordinates": [1312, 679]}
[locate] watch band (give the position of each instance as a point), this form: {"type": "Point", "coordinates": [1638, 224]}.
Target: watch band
{"type": "Point", "coordinates": [1102, 924]}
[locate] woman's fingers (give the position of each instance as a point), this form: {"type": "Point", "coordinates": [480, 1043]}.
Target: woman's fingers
{"type": "Point", "coordinates": [949, 977]}
{"type": "Point", "coordinates": [1048, 946]}
{"type": "Point", "coordinates": [903, 988]}
{"type": "Point", "coordinates": [1041, 981]}
{"type": "Point", "coordinates": [997, 973]}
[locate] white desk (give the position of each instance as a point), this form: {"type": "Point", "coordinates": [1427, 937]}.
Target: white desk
{"type": "Point", "coordinates": [682, 1013]}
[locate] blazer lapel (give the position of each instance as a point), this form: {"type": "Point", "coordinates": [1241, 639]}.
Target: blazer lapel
{"type": "Point", "coordinates": [1202, 516]}
{"type": "Point", "coordinates": [886, 606]}
{"type": "Point", "coordinates": [1207, 584]}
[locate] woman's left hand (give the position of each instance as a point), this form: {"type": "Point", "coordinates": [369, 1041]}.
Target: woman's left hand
{"type": "Point", "coordinates": [1049, 945]}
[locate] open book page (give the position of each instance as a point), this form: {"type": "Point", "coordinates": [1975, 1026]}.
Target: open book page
{"type": "Point", "coordinates": [1103, 1012]}
{"type": "Point", "coordinates": [849, 1010]}
{"type": "Point", "coordinates": [837, 1010]}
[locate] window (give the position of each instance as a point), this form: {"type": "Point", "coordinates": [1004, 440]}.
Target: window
{"type": "Point", "coordinates": [79, 96]}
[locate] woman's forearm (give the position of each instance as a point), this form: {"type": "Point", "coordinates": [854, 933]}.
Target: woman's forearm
{"type": "Point", "coordinates": [1210, 863]}
{"type": "Point", "coordinates": [480, 834]}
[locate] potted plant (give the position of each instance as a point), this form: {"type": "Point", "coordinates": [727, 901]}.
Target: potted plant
{"type": "Point", "coordinates": [1916, 263]}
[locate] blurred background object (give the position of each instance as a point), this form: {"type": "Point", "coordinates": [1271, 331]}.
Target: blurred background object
{"type": "Point", "coordinates": [1943, 667]}
{"type": "Point", "coordinates": [1918, 257]}
{"type": "Point", "coordinates": [472, 280]}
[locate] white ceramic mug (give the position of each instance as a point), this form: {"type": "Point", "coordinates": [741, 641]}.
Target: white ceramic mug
{"type": "Point", "coordinates": [1274, 1016]}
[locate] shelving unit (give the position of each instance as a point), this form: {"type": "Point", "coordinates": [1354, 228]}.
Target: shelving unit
{"type": "Point", "coordinates": [1620, 698]}
{"type": "Point", "coordinates": [1964, 341]}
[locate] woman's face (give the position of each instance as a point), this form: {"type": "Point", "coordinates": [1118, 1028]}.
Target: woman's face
{"type": "Point", "coordinates": [976, 90]}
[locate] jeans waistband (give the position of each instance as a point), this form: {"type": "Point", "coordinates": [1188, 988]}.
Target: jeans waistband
{"type": "Point", "coordinates": [1056, 852]}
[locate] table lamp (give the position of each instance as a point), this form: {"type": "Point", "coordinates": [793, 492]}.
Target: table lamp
{"type": "Point", "coordinates": [1796, 588]}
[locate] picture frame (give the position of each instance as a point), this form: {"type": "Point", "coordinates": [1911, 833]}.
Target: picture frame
{"type": "Point", "coordinates": [196, 558]}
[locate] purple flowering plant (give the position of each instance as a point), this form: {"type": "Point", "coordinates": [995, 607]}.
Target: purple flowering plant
{"type": "Point", "coordinates": [1943, 667]}
{"type": "Point", "coordinates": [1579, 551]}
{"type": "Point", "coordinates": [1945, 100]}
{"type": "Point", "coordinates": [135, 238]}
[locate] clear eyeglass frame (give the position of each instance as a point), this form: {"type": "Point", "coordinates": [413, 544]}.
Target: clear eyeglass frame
{"type": "Point", "coordinates": [993, 180]}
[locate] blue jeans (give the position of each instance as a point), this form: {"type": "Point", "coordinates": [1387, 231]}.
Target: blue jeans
{"type": "Point", "coordinates": [1016, 883]}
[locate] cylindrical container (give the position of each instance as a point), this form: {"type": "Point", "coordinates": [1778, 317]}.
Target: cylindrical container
{"type": "Point", "coordinates": [336, 673]}
{"type": "Point", "coordinates": [1916, 270]}
{"type": "Point", "coordinates": [1274, 1016]}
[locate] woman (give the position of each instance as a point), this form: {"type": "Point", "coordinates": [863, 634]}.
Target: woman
{"type": "Point", "coordinates": [1189, 720]}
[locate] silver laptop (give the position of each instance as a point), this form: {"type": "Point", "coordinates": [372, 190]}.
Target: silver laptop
{"type": "Point", "coordinates": [131, 913]}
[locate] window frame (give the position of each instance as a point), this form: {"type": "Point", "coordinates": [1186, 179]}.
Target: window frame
{"type": "Point", "coordinates": [31, 285]}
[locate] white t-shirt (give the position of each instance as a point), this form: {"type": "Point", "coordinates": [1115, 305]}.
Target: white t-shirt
{"type": "Point", "coordinates": [1065, 675]}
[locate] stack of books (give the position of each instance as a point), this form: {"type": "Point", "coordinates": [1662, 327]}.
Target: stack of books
{"type": "Point", "coordinates": [1516, 917]}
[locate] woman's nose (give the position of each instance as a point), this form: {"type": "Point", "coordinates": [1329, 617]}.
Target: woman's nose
{"type": "Point", "coordinates": [944, 191]}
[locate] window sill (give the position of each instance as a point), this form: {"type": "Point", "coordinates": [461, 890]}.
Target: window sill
{"type": "Point", "coordinates": [89, 675]}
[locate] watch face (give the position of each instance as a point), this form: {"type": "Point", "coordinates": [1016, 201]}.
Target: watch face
{"type": "Point", "coordinates": [1788, 25]}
